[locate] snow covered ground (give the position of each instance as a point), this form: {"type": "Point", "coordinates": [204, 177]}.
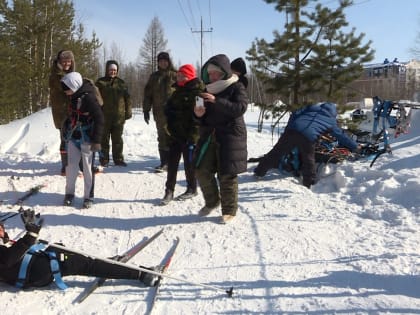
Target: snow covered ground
{"type": "Point", "coordinates": [348, 246]}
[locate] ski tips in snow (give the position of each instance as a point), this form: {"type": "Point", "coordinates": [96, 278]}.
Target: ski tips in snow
{"type": "Point", "coordinates": [230, 292]}
{"type": "Point", "coordinates": [169, 256]}
{"type": "Point", "coordinates": [32, 191]}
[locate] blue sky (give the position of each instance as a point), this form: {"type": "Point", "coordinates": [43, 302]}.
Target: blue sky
{"type": "Point", "coordinates": [392, 25]}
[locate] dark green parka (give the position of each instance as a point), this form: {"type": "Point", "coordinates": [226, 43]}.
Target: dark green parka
{"type": "Point", "coordinates": [157, 91]}
{"type": "Point", "coordinates": [117, 106]}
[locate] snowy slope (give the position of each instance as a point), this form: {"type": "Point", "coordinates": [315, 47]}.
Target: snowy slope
{"type": "Point", "coordinates": [348, 246]}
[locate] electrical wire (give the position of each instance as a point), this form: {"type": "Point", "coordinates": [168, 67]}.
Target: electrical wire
{"type": "Point", "coordinates": [192, 14]}
{"type": "Point", "coordinates": [183, 13]}
{"type": "Point", "coordinates": [194, 39]}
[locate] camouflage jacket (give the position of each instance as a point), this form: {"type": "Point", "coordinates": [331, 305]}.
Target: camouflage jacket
{"type": "Point", "coordinates": [117, 100]}
{"type": "Point", "coordinates": [157, 91]}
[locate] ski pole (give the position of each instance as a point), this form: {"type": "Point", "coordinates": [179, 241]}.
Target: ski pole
{"type": "Point", "coordinates": [156, 273]}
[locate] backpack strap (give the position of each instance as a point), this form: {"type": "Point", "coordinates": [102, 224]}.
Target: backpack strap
{"type": "Point", "coordinates": [25, 264]}
{"type": "Point", "coordinates": [54, 266]}
{"type": "Point", "coordinates": [55, 270]}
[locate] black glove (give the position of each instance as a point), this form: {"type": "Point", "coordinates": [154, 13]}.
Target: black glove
{"type": "Point", "coordinates": [146, 117]}
{"type": "Point", "coordinates": [33, 228]}
{"type": "Point", "coordinates": [148, 279]}
{"type": "Point", "coordinates": [28, 216]}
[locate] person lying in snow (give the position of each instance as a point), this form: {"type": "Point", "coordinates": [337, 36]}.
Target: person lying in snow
{"type": "Point", "coordinates": [39, 269]}
{"type": "Point", "coordinates": [303, 129]}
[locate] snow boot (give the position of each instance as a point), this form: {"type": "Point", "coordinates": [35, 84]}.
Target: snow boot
{"type": "Point", "coordinates": [148, 279]}
{"type": "Point", "coordinates": [68, 199]}
{"type": "Point", "coordinates": [189, 193]}
{"type": "Point", "coordinates": [226, 218]}
{"type": "Point", "coordinates": [120, 163]}
{"type": "Point", "coordinates": [104, 162]}
{"type": "Point", "coordinates": [87, 203]}
{"type": "Point", "coordinates": [207, 209]}
{"type": "Point", "coordinates": [169, 196]}
{"type": "Point", "coordinates": [163, 167]}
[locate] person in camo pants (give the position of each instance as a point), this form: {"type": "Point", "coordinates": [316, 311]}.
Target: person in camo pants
{"type": "Point", "coordinates": [222, 146]}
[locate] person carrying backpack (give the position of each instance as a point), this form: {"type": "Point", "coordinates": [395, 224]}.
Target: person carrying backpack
{"type": "Point", "coordinates": [82, 132]}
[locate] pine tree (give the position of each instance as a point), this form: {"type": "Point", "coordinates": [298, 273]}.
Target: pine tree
{"type": "Point", "coordinates": [32, 33]}
{"type": "Point", "coordinates": [313, 59]}
{"type": "Point", "coordinates": [153, 43]}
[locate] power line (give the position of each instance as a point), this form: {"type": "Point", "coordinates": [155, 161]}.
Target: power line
{"type": "Point", "coordinates": [209, 12]}
{"type": "Point", "coordinates": [191, 12]}
{"type": "Point", "coordinates": [188, 23]}
{"type": "Point", "coordinates": [199, 7]}
{"type": "Point", "coordinates": [183, 13]}
{"type": "Point", "coordinates": [211, 25]}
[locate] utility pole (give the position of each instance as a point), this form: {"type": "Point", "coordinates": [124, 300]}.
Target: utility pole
{"type": "Point", "coordinates": [201, 31]}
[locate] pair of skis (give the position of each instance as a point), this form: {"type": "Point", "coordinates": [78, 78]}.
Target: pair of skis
{"type": "Point", "coordinates": [165, 267]}
{"type": "Point", "coordinates": [125, 258]}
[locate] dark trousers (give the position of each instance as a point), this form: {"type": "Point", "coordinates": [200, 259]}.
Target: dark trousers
{"type": "Point", "coordinates": [113, 132]}
{"type": "Point", "coordinates": [76, 264]}
{"type": "Point", "coordinates": [291, 139]}
{"type": "Point", "coordinates": [176, 149]}
{"type": "Point", "coordinates": [72, 264]}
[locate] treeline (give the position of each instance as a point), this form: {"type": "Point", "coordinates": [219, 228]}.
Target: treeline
{"type": "Point", "coordinates": [32, 33]}
{"type": "Point", "coordinates": [315, 56]}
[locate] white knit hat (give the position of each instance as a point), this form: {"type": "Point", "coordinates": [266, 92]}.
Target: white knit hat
{"type": "Point", "coordinates": [73, 81]}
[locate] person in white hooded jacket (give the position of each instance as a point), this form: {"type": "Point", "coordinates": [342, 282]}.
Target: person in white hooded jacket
{"type": "Point", "coordinates": [82, 132]}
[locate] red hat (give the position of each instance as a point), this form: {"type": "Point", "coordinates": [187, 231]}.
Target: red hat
{"type": "Point", "coordinates": [189, 71]}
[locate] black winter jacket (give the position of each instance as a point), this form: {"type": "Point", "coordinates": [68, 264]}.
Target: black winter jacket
{"type": "Point", "coordinates": [225, 120]}
{"type": "Point", "coordinates": [179, 112]}
{"type": "Point", "coordinates": [85, 109]}
{"type": "Point", "coordinates": [11, 258]}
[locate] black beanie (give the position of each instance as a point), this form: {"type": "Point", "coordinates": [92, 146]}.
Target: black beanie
{"type": "Point", "coordinates": [163, 55]}
{"type": "Point", "coordinates": [238, 65]}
